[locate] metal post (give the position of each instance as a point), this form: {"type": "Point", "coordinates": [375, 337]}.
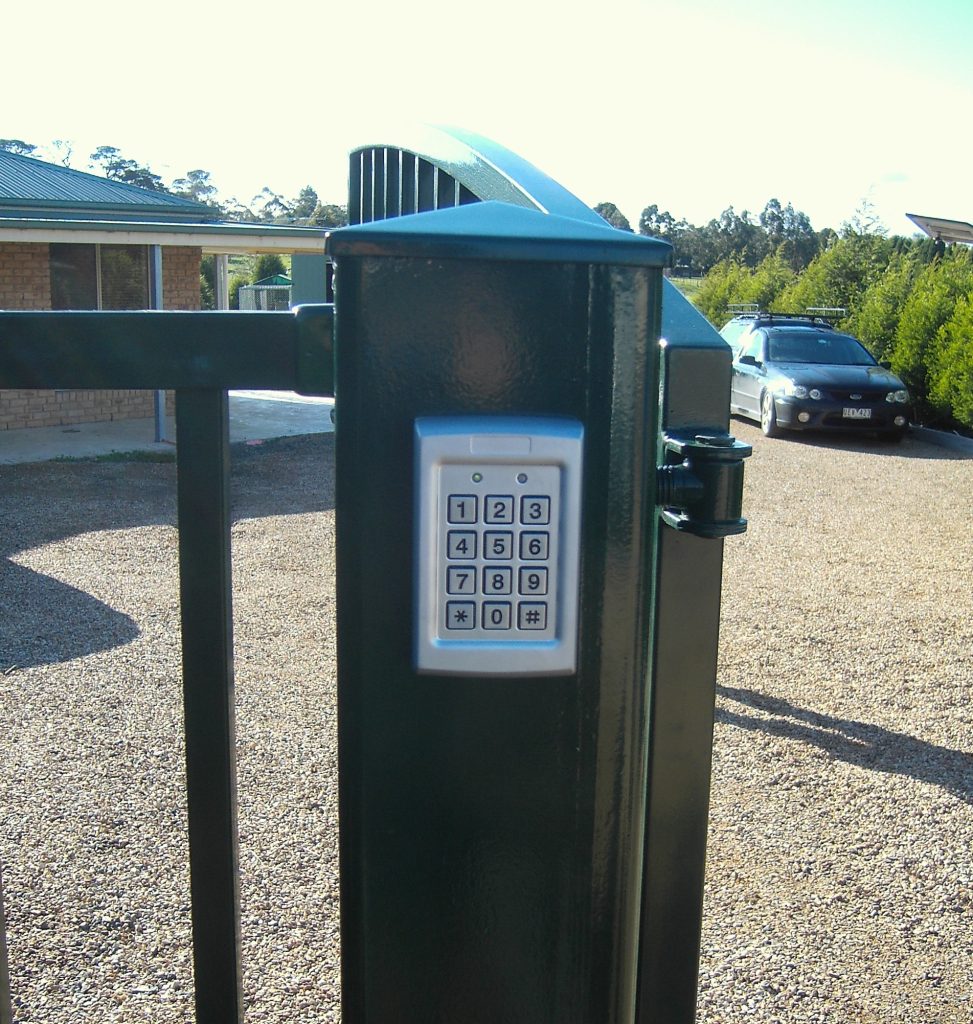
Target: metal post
{"type": "Point", "coordinates": [155, 286]}
{"type": "Point", "coordinates": [222, 276]}
{"type": "Point", "coordinates": [207, 641]}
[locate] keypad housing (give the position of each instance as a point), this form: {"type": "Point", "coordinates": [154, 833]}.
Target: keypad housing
{"type": "Point", "coordinates": [498, 533]}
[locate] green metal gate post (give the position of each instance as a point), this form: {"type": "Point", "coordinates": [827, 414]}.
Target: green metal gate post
{"type": "Point", "coordinates": [492, 827]}
{"type": "Point", "coordinates": [694, 402]}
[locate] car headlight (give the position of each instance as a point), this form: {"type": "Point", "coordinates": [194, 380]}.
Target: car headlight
{"type": "Point", "coordinates": [897, 396]}
{"type": "Point", "coordinates": [794, 390]}
{"type": "Point", "coordinates": [815, 394]}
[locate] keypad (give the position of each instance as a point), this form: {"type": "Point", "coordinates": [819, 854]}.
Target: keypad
{"type": "Point", "coordinates": [498, 560]}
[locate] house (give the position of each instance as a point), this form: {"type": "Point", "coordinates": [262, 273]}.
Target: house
{"type": "Point", "coordinates": [71, 240]}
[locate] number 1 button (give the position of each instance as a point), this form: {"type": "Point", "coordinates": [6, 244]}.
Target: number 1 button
{"type": "Point", "coordinates": [461, 508]}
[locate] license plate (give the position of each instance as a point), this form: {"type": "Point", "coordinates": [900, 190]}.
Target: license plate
{"type": "Point", "coordinates": [857, 414]}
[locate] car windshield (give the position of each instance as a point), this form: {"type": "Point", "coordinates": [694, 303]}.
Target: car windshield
{"type": "Point", "coordinates": [814, 347]}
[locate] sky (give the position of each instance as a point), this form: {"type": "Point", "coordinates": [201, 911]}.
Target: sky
{"type": "Point", "coordinates": [691, 106]}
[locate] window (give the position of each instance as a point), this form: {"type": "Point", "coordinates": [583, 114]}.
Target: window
{"type": "Point", "coordinates": [99, 276]}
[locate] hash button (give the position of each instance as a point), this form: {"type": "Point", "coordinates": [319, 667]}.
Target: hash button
{"type": "Point", "coordinates": [532, 615]}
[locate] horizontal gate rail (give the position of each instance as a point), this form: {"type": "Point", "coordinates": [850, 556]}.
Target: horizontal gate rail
{"type": "Point", "coordinates": [159, 351]}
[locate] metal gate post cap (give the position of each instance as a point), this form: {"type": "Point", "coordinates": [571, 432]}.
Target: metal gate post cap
{"type": "Point", "coordinates": [498, 231]}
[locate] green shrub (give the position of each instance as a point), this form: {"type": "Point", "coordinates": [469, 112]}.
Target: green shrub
{"type": "Point", "coordinates": [724, 284]}
{"type": "Point", "coordinates": [839, 276]}
{"type": "Point", "coordinates": [931, 304]}
{"type": "Point", "coordinates": [876, 319]}
{"type": "Point", "coordinates": [951, 369]}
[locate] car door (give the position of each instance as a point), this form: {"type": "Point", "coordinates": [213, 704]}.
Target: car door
{"type": "Point", "coordinates": [748, 374]}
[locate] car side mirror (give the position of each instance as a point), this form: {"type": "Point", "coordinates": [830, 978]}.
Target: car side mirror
{"type": "Point", "coordinates": [885, 364]}
{"type": "Point", "coordinates": [748, 360]}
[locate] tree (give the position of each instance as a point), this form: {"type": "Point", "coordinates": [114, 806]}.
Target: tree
{"type": "Point", "coordinates": [119, 168]}
{"type": "Point", "coordinates": [303, 207]}
{"type": "Point", "coordinates": [196, 186]}
{"type": "Point", "coordinates": [659, 223]}
{"type": "Point", "coordinates": [614, 216]}
{"type": "Point", "coordinates": [789, 231]}
{"type": "Point", "coordinates": [329, 215]}
{"type": "Point", "coordinates": [207, 282]}
{"type": "Point", "coordinates": [267, 265]}
{"type": "Point", "coordinates": [17, 146]}
{"type": "Point", "coordinates": [270, 206]}
{"type": "Point", "coordinates": [63, 149]}
{"type": "Point", "coordinates": [735, 235]}
{"type": "Point", "coordinates": [865, 220]}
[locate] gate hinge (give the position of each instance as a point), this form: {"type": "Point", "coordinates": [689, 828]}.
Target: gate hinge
{"type": "Point", "coordinates": [703, 494]}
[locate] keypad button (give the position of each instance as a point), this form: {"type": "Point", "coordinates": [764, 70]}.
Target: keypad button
{"type": "Point", "coordinates": [498, 545]}
{"type": "Point", "coordinates": [532, 615]}
{"type": "Point", "coordinates": [461, 544]}
{"type": "Point", "coordinates": [496, 615]}
{"type": "Point", "coordinates": [498, 508]}
{"type": "Point", "coordinates": [460, 615]}
{"type": "Point", "coordinates": [461, 579]}
{"type": "Point", "coordinates": [535, 510]}
{"type": "Point", "coordinates": [498, 579]}
{"type": "Point", "coordinates": [534, 546]}
{"type": "Point", "coordinates": [532, 581]}
{"type": "Point", "coordinates": [461, 508]}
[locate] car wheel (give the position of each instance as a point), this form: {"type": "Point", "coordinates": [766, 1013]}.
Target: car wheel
{"type": "Point", "coordinates": [768, 415]}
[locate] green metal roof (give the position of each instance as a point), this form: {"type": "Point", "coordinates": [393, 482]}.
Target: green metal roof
{"type": "Point", "coordinates": [30, 187]}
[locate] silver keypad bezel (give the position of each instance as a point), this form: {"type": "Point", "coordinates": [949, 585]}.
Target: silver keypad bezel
{"type": "Point", "coordinates": [499, 625]}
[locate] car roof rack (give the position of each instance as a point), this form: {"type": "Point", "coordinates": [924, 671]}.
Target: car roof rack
{"type": "Point", "coordinates": [811, 316]}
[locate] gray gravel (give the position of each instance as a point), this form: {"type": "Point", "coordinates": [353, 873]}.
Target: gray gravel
{"type": "Point", "coordinates": [839, 877]}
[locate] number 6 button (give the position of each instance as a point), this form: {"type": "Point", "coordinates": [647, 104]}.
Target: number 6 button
{"type": "Point", "coordinates": [533, 546]}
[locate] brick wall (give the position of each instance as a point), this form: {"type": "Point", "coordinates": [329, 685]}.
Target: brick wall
{"type": "Point", "coordinates": [25, 283]}
{"type": "Point", "coordinates": [25, 276]}
{"type": "Point", "coordinates": [180, 277]}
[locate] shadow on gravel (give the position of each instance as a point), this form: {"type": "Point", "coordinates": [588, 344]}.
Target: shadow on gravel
{"type": "Point", "coordinates": [868, 746]}
{"type": "Point", "coordinates": [44, 621]}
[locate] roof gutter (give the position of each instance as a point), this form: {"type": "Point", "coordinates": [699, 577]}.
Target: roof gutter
{"type": "Point", "coordinates": [212, 238]}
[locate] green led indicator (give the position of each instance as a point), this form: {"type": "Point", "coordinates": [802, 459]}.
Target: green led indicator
{"type": "Point", "coordinates": [477, 477]}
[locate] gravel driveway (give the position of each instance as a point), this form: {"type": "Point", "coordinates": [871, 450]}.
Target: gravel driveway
{"type": "Point", "coordinates": [839, 878]}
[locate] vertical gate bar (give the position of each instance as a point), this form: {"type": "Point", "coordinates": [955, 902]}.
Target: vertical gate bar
{"type": "Point", "coordinates": [696, 382]}
{"type": "Point", "coordinates": [202, 431]}
{"type": "Point", "coordinates": [6, 999]}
